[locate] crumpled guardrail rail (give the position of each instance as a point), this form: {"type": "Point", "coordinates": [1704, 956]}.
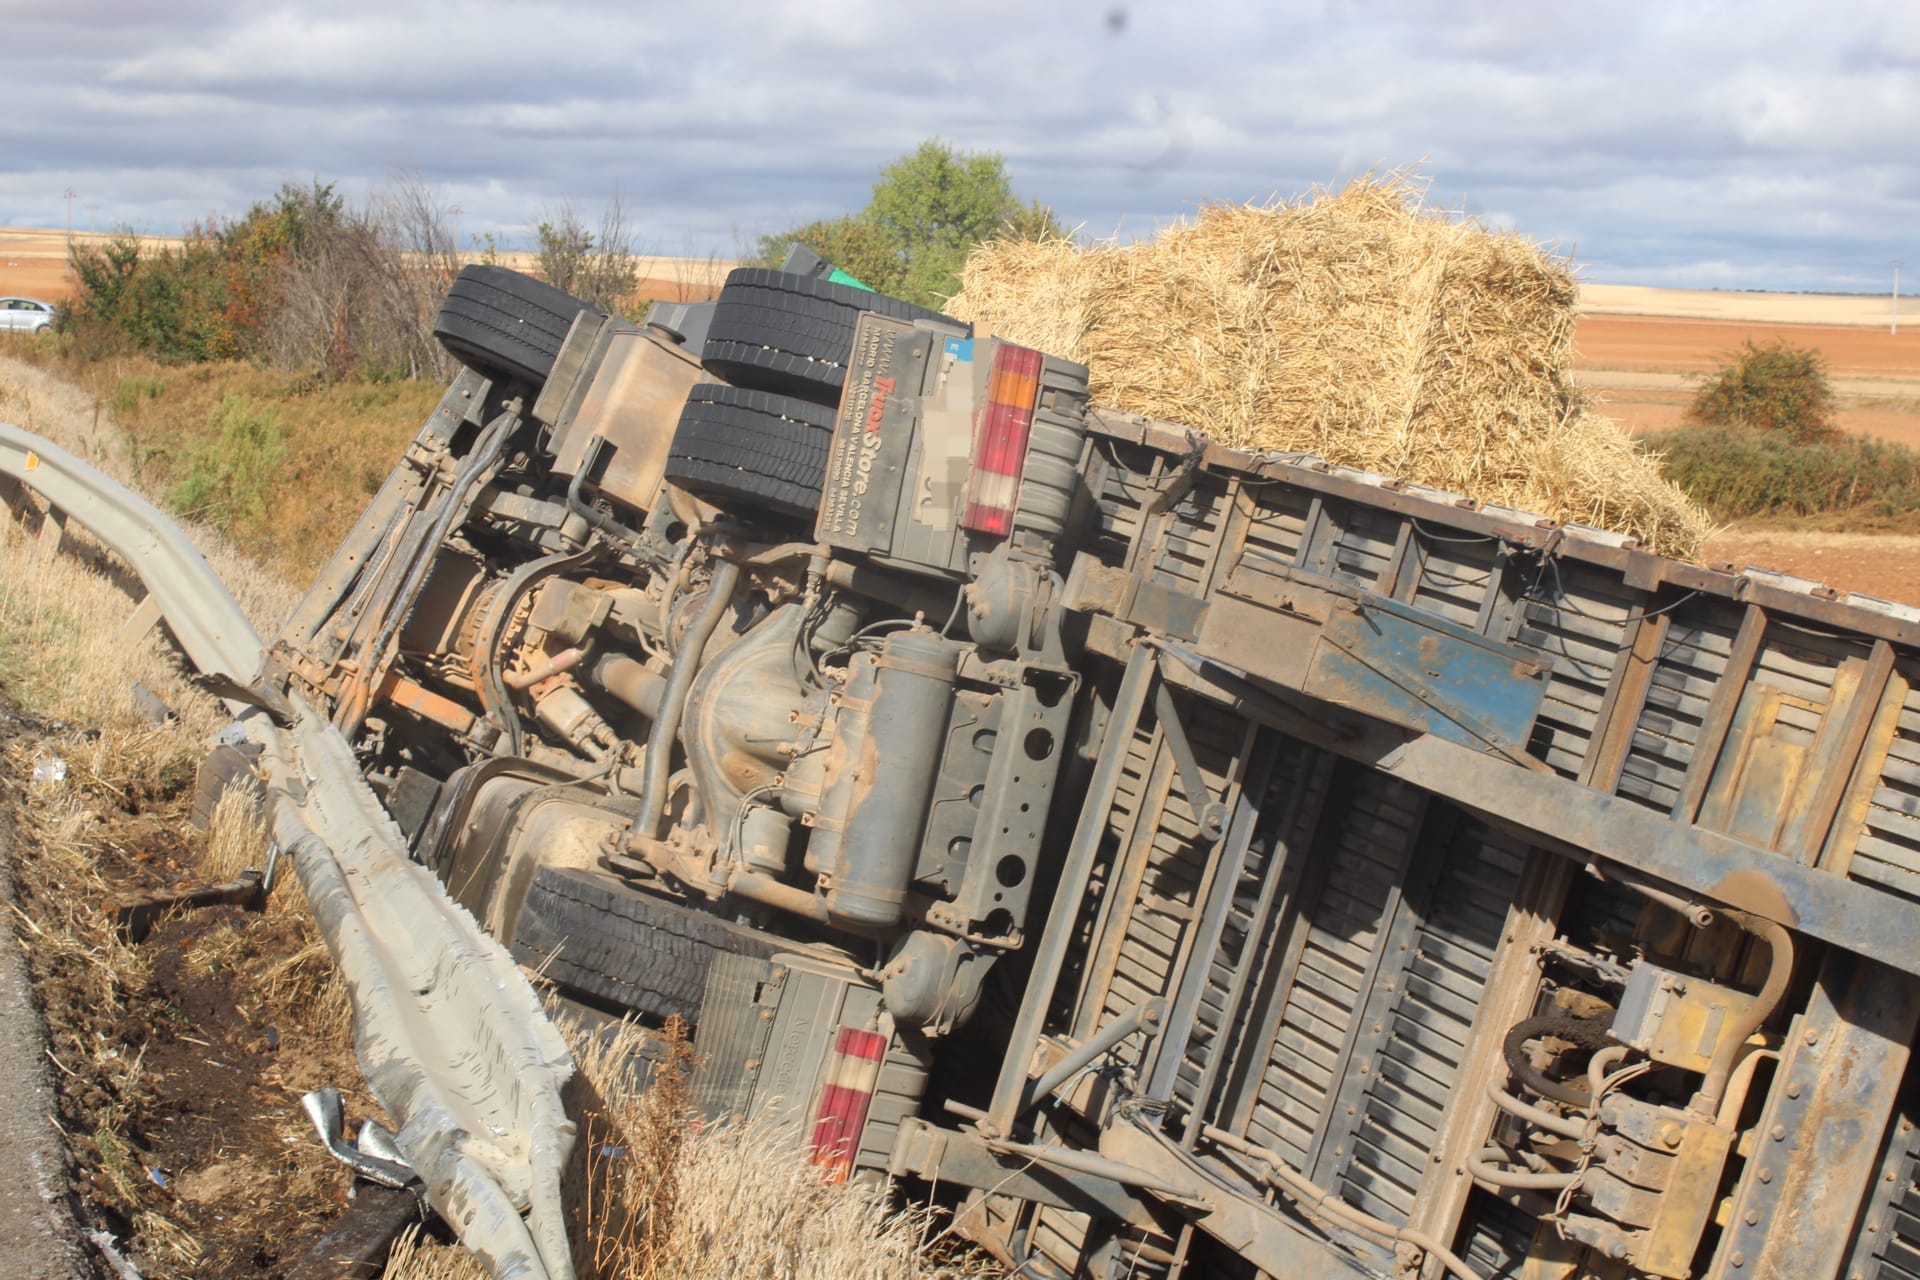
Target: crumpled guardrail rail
{"type": "Point", "coordinates": [450, 1035]}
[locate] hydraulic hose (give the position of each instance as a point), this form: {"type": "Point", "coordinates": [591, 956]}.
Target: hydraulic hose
{"type": "Point", "coordinates": [673, 700]}
{"type": "Point", "coordinates": [1734, 1038]}
{"type": "Point", "coordinates": [1535, 1116]}
{"type": "Point", "coordinates": [1481, 1165]}
{"type": "Point", "coordinates": [1588, 1033]}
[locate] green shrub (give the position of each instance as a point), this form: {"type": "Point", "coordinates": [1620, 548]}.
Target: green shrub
{"type": "Point", "coordinates": [1776, 388]}
{"type": "Point", "coordinates": [135, 391]}
{"type": "Point", "coordinates": [226, 477]}
{"type": "Point", "coordinates": [1736, 473]}
{"type": "Point", "coordinates": [929, 209]}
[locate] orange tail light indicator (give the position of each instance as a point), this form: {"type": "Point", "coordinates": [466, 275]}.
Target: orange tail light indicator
{"type": "Point", "coordinates": [1000, 440]}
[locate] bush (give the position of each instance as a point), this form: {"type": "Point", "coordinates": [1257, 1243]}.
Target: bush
{"type": "Point", "coordinates": [302, 282]}
{"type": "Point", "coordinates": [596, 267]}
{"type": "Point", "coordinates": [1776, 388]}
{"type": "Point", "coordinates": [227, 477]}
{"type": "Point", "coordinates": [1736, 473]}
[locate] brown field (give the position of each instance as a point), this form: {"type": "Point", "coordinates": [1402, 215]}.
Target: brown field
{"type": "Point", "coordinates": [1870, 310]}
{"type": "Point", "coordinates": [33, 264]}
{"type": "Point", "coordinates": [1645, 368]}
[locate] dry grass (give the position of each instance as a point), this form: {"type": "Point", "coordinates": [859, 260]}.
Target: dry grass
{"type": "Point", "coordinates": [147, 423]}
{"type": "Point", "coordinates": [662, 1198]}
{"type": "Point", "coordinates": [1358, 325]}
{"type": "Point", "coordinates": [236, 837]}
{"type": "Point", "coordinates": [63, 653]}
{"type": "Point", "coordinates": [85, 424]}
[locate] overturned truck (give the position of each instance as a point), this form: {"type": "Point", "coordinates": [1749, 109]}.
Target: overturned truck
{"type": "Point", "coordinates": [1186, 861]}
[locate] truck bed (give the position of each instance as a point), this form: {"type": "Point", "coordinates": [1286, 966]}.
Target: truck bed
{"type": "Point", "coordinates": [1453, 739]}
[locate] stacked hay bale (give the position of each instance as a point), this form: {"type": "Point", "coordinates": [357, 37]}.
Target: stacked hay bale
{"type": "Point", "coordinates": [1360, 326]}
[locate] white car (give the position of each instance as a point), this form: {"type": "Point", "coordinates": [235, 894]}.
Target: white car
{"type": "Point", "coordinates": [25, 315]}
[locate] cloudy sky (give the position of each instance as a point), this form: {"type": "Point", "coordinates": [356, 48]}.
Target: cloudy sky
{"type": "Point", "coordinates": [1762, 144]}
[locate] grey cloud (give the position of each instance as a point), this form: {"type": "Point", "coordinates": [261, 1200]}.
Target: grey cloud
{"type": "Point", "coordinates": [1758, 143]}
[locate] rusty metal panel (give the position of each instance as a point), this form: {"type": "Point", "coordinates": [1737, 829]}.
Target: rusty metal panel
{"type": "Point", "coordinates": [1413, 1082]}
{"type": "Point", "coordinates": [1887, 847]}
{"type": "Point", "coordinates": [1577, 620]}
{"type": "Point", "coordinates": [1183, 548]}
{"type": "Point", "coordinates": [1688, 666]}
{"type": "Point", "coordinates": [1335, 931]}
{"type": "Point", "coordinates": [1290, 813]}
{"type": "Point", "coordinates": [1818, 1142]}
{"type": "Point", "coordinates": [1160, 905]}
{"type": "Point", "coordinates": [1452, 578]}
{"type": "Point", "coordinates": [1276, 529]}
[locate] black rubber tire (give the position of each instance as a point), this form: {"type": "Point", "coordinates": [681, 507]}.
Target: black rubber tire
{"type": "Point", "coordinates": [597, 938]}
{"type": "Point", "coordinates": [777, 331]}
{"type": "Point", "coordinates": [504, 324]}
{"type": "Point", "coordinates": [750, 452]}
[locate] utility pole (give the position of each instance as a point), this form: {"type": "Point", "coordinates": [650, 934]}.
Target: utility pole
{"type": "Point", "coordinates": [71, 196]}
{"type": "Point", "coordinates": [1893, 326]}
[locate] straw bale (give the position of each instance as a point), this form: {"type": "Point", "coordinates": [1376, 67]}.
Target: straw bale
{"type": "Point", "coordinates": [1358, 325]}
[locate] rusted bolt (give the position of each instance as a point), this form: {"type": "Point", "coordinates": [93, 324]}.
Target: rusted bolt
{"type": "Point", "coordinates": [1778, 1133]}
{"type": "Point", "coordinates": [1753, 1217]}
{"type": "Point", "coordinates": [1351, 1110]}
{"type": "Point", "coordinates": [1670, 1134]}
{"type": "Point", "coordinates": [1765, 1175]}
{"type": "Point", "coordinates": [1738, 1260]}
{"type": "Point", "coordinates": [1793, 1090]}
{"type": "Point", "coordinates": [1812, 1037]}
{"type": "Point", "coordinates": [766, 1015]}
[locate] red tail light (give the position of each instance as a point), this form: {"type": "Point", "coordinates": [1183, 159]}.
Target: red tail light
{"type": "Point", "coordinates": [851, 1076]}
{"type": "Point", "coordinates": [1000, 439]}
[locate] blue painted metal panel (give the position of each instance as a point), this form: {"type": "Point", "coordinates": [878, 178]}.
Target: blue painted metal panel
{"type": "Point", "coordinates": [1407, 666]}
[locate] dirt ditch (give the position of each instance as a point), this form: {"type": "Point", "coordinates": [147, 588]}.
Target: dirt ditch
{"type": "Point", "coordinates": [180, 1060]}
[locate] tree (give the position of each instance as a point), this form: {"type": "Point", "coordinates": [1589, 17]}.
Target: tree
{"type": "Point", "coordinates": [929, 209]}
{"type": "Point", "coordinates": [1776, 388]}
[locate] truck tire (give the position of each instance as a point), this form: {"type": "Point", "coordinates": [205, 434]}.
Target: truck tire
{"type": "Point", "coordinates": [595, 937]}
{"type": "Point", "coordinates": [777, 331]}
{"type": "Point", "coordinates": [504, 324]}
{"type": "Point", "coordinates": [751, 452]}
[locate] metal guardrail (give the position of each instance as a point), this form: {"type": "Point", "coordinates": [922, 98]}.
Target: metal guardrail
{"type": "Point", "coordinates": [452, 1038]}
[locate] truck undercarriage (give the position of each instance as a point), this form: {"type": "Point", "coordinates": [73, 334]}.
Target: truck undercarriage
{"type": "Point", "coordinates": [1188, 862]}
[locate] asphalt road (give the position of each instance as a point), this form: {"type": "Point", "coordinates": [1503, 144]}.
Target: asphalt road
{"type": "Point", "coordinates": [37, 1231]}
